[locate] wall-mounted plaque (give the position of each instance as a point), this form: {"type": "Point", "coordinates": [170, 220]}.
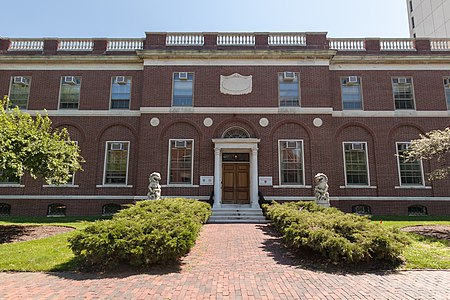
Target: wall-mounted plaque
{"type": "Point", "coordinates": [235, 84]}
{"type": "Point", "coordinates": [265, 181]}
{"type": "Point", "coordinates": [206, 180]}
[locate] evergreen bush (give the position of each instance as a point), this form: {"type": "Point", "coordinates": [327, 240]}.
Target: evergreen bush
{"type": "Point", "coordinates": [150, 232]}
{"type": "Point", "coordinates": [341, 237]}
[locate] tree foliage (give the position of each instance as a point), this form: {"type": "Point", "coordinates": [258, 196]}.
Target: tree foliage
{"type": "Point", "coordinates": [432, 145]}
{"type": "Point", "coordinates": [30, 145]}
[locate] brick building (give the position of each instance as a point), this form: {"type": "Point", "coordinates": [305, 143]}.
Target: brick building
{"type": "Point", "coordinates": [237, 116]}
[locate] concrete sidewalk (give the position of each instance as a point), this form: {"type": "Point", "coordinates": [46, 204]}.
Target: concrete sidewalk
{"type": "Point", "coordinates": [229, 261]}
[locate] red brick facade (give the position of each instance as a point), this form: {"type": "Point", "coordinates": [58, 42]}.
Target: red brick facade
{"type": "Point", "coordinates": [151, 68]}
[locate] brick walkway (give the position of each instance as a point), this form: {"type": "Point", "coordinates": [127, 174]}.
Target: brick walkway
{"type": "Point", "coordinates": [230, 261]}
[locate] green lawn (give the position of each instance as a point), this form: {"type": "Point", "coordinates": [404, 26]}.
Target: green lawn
{"type": "Point", "coordinates": [423, 252]}
{"type": "Point", "coordinates": [48, 254]}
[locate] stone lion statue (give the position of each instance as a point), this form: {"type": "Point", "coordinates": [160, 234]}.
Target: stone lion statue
{"type": "Point", "coordinates": [154, 188]}
{"type": "Point", "coordinates": [321, 188]}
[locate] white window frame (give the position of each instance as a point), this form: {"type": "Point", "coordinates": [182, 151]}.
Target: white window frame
{"type": "Point", "coordinates": [297, 76]}
{"type": "Point", "coordinates": [110, 92]}
{"type": "Point", "coordinates": [360, 93]}
{"type": "Point", "coordinates": [398, 169]}
{"type": "Point", "coordinates": [60, 90]}
{"type": "Point", "coordinates": [173, 88]}
{"type": "Point", "coordinates": [447, 101]}
{"type": "Point", "coordinates": [413, 93]}
{"type": "Point", "coordinates": [169, 163]}
{"type": "Point", "coordinates": [303, 162]}
{"type": "Point", "coordinates": [29, 89]}
{"type": "Point", "coordinates": [367, 165]}
{"type": "Point", "coordinates": [104, 164]}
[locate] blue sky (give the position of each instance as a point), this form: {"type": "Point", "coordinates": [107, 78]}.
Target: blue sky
{"type": "Point", "coordinates": [132, 18]}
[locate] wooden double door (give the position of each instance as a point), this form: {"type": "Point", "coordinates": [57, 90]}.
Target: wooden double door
{"type": "Point", "coordinates": [236, 183]}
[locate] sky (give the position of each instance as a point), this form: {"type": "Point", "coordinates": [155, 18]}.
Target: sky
{"type": "Point", "coordinates": [132, 18]}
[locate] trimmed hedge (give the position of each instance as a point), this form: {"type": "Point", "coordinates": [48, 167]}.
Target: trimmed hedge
{"type": "Point", "coordinates": [150, 232]}
{"type": "Point", "coordinates": [341, 237]}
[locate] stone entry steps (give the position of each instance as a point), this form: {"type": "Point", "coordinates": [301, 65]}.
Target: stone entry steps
{"type": "Point", "coordinates": [237, 214]}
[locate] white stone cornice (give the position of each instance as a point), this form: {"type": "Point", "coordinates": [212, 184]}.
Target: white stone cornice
{"type": "Point", "coordinates": [85, 113]}
{"type": "Point", "coordinates": [238, 110]}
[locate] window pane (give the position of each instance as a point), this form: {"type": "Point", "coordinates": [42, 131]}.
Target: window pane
{"type": "Point", "coordinates": [183, 90]}
{"type": "Point", "coordinates": [351, 94]}
{"type": "Point", "coordinates": [411, 171]}
{"type": "Point", "coordinates": [120, 92]}
{"type": "Point", "coordinates": [180, 162]}
{"type": "Point", "coordinates": [289, 94]}
{"type": "Point", "coordinates": [8, 177]}
{"type": "Point", "coordinates": [291, 162]}
{"type": "Point", "coordinates": [356, 164]}
{"type": "Point", "coordinates": [70, 93]}
{"type": "Point", "coordinates": [19, 91]}
{"type": "Point", "coordinates": [116, 163]}
{"type": "Point", "coordinates": [403, 93]}
{"type": "Point", "coordinates": [447, 91]}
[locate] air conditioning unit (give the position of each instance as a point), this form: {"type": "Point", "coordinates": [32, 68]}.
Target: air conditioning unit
{"type": "Point", "coordinates": [117, 146]}
{"type": "Point", "coordinates": [20, 80]}
{"type": "Point", "coordinates": [180, 144]}
{"type": "Point", "coordinates": [183, 75]}
{"type": "Point", "coordinates": [70, 80]}
{"type": "Point", "coordinates": [402, 80]}
{"type": "Point", "coordinates": [352, 79]}
{"type": "Point", "coordinates": [403, 146]}
{"type": "Point", "coordinates": [357, 146]}
{"type": "Point", "coordinates": [447, 82]}
{"type": "Point", "coordinates": [288, 76]}
{"type": "Point", "coordinates": [291, 144]}
{"type": "Point", "coordinates": [121, 80]}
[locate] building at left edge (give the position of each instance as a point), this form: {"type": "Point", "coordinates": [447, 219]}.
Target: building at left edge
{"type": "Point", "coordinates": [232, 118]}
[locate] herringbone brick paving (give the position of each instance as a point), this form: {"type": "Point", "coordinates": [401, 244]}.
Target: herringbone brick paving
{"type": "Point", "coordinates": [229, 261]}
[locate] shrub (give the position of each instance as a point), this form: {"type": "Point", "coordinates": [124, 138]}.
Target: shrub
{"type": "Point", "coordinates": [150, 232]}
{"type": "Point", "coordinates": [338, 236]}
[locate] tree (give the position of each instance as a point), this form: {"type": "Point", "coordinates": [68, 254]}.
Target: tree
{"type": "Point", "coordinates": [30, 145]}
{"type": "Point", "coordinates": [432, 145]}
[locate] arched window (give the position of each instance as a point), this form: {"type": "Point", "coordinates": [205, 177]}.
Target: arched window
{"type": "Point", "coordinates": [56, 210]}
{"type": "Point", "coordinates": [5, 210]}
{"type": "Point", "coordinates": [362, 209]}
{"type": "Point", "coordinates": [110, 209]}
{"type": "Point", "coordinates": [235, 133]}
{"type": "Point", "coordinates": [417, 210]}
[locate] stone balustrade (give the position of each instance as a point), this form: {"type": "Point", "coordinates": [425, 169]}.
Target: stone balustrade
{"type": "Point", "coordinates": [397, 45]}
{"type": "Point", "coordinates": [236, 39]}
{"type": "Point", "coordinates": [75, 45]}
{"type": "Point", "coordinates": [440, 44]}
{"type": "Point", "coordinates": [294, 40]}
{"type": "Point", "coordinates": [287, 39]}
{"type": "Point", "coordinates": [125, 45]}
{"type": "Point", "coordinates": [347, 44]}
{"type": "Point", "coordinates": [185, 39]}
{"type": "Point", "coordinates": [26, 45]}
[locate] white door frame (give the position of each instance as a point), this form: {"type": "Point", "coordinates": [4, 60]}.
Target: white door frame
{"type": "Point", "coordinates": [236, 145]}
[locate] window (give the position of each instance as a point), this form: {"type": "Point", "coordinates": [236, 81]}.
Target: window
{"type": "Point", "coordinates": [361, 209]}
{"type": "Point", "coordinates": [56, 210]}
{"type": "Point", "coordinates": [19, 91]}
{"type": "Point", "coordinates": [5, 210]}
{"type": "Point", "coordinates": [110, 209]}
{"type": "Point", "coordinates": [183, 87]}
{"type": "Point", "coordinates": [235, 133]}
{"type": "Point", "coordinates": [180, 161]}
{"type": "Point", "coordinates": [8, 177]}
{"type": "Point", "coordinates": [289, 89]}
{"type": "Point", "coordinates": [116, 163]}
{"type": "Point", "coordinates": [291, 162]}
{"type": "Point", "coordinates": [417, 210]}
{"type": "Point", "coordinates": [351, 92]}
{"type": "Point", "coordinates": [69, 97]}
{"type": "Point", "coordinates": [447, 91]}
{"type": "Point", "coordinates": [411, 6]}
{"type": "Point", "coordinates": [356, 169]}
{"type": "Point", "coordinates": [120, 92]}
{"type": "Point", "coordinates": [410, 171]}
{"type": "Point", "coordinates": [412, 22]}
{"type": "Point", "coordinates": [403, 93]}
